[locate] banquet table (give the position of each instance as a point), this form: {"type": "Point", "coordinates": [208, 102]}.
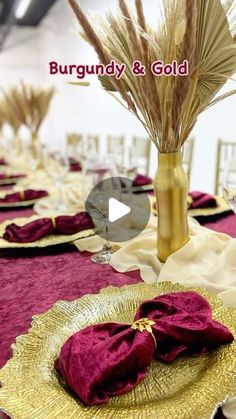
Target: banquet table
{"type": "Point", "coordinates": [32, 280]}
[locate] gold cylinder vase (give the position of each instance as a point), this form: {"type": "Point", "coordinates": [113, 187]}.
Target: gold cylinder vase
{"type": "Point", "coordinates": [171, 188]}
{"type": "Point", "coordinates": [17, 144]}
{"type": "Point", "coordinates": [36, 151]}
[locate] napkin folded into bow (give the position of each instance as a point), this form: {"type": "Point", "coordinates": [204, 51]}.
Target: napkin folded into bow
{"type": "Point", "coordinates": [75, 166]}
{"type": "Point", "coordinates": [27, 195]}
{"type": "Point", "coordinates": [110, 359]}
{"type": "Point", "coordinates": [202, 200]}
{"type": "Point", "coordinates": [35, 230]}
{"type": "Point", "coordinates": [199, 200]}
{"type": "Point", "coordinates": [2, 162]}
{"type": "Point", "coordinates": [5, 176]}
{"type": "Point", "coordinates": [142, 180]}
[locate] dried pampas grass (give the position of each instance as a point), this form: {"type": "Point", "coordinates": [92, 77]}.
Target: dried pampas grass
{"type": "Point", "coordinates": [8, 116]}
{"type": "Point", "coordinates": [200, 31]}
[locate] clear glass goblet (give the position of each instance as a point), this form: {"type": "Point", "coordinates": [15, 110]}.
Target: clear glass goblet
{"type": "Point", "coordinates": [229, 183]}
{"type": "Point", "coordinates": [56, 164]}
{"type": "Point", "coordinates": [104, 256]}
{"type": "Point", "coordinates": [100, 170]}
{"type": "Point", "coordinates": [32, 155]}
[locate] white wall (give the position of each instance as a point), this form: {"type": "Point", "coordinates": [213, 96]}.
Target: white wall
{"type": "Point", "coordinates": [27, 55]}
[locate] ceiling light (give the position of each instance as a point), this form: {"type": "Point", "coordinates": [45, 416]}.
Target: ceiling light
{"type": "Point", "coordinates": [22, 8]}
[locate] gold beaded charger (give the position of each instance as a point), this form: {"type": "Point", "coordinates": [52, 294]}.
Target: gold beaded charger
{"type": "Point", "coordinates": [10, 181]}
{"type": "Point", "coordinates": [19, 204]}
{"type": "Point", "coordinates": [221, 207]}
{"type": "Point", "coordinates": [188, 388]}
{"type": "Point", "coordinates": [52, 240]}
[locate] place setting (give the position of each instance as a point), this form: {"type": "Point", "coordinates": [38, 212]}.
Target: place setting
{"type": "Point", "coordinates": [118, 234]}
{"type": "Point", "coordinates": [24, 198]}
{"type": "Point", "coordinates": [10, 178]}
{"type": "Point", "coordinates": [94, 339]}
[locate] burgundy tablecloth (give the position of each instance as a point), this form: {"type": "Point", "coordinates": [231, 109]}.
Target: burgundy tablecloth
{"type": "Point", "coordinates": [32, 283]}
{"type": "Point", "coordinates": [223, 223]}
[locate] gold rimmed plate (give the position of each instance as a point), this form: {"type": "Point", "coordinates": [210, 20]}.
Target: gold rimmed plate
{"type": "Point", "coordinates": [189, 388]}
{"type": "Point", "coordinates": [221, 207]}
{"type": "Point", "coordinates": [144, 188]}
{"type": "Point", "coordinates": [10, 181]}
{"type": "Point", "coordinates": [52, 240]}
{"type": "Point", "coordinates": [28, 203]}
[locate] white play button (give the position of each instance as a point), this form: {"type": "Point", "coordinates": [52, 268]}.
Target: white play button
{"type": "Point", "coordinates": [117, 210]}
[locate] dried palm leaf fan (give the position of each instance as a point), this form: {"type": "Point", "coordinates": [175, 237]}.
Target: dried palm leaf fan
{"type": "Point", "coordinates": [168, 107]}
{"type": "Point", "coordinates": [30, 104]}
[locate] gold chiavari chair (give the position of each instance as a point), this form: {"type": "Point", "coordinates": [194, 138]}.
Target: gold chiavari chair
{"type": "Point", "coordinates": [73, 141]}
{"type": "Point", "coordinates": [114, 142]}
{"type": "Point", "coordinates": [93, 140]}
{"type": "Point", "coordinates": [140, 154]}
{"type": "Point", "coordinates": [116, 147]}
{"type": "Point", "coordinates": [188, 156]}
{"type": "Point", "coordinates": [225, 151]}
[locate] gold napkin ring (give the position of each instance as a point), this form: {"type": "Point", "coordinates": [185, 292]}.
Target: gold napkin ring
{"type": "Point", "coordinates": [144, 324]}
{"type": "Point", "coordinates": [54, 222]}
{"type": "Point", "coordinates": [22, 195]}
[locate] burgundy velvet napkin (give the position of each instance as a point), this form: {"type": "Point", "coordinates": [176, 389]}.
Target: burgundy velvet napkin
{"type": "Point", "coordinates": [202, 200]}
{"type": "Point", "coordinates": [183, 325]}
{"type": "Point", "coordinates": [109, 359]}
{"type": "Point", "coordinates": [75, 166]}
{"type": "Point", "coordinates": [2, 162]}
{"type": "Point", "coordinates": [142, 180]}
{"type": "Point", "coordinates": [4, 176]}
{"type": "Point", "coordinates": [35, 230]}
{"type": "Point", "coordinates": [27, 195]}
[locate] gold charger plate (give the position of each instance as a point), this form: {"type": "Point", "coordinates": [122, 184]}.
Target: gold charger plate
{"type": "Point", "coordinates": [52, 240]}
{"type": "Point", "coordinates": [221, 207]}
{"type": "Point", "coordinates": [10, 181]}
{"type": "Point", "coordinates": [144, 188]}
{"type": "Point", "coordinates": [189, 388]}
{"type": "Point", "coordinates": [19, 204]}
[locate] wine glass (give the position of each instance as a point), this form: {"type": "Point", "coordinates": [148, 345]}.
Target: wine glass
{"type": "Point", "coordinates": [56, 164]}
{"type": "Point", "coordinates": [102, 169]}
{"type": "Point", "coordinates": [104, 256]}
{"type": "Point", "coordinates": [229, 183]}
{"type": "Point", "coordinates": [31, 155]}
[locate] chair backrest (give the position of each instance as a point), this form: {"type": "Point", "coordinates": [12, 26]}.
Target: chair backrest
{"type": "Point", "coordinates": [93, 140]}
{"type": "Point", "coordinates": [73, 139]}
{"type": "Point", "coordinates": [188, 150]}
{"type": "Point", "coordinates": [140, 154]}
{"type": "Point", "coordinates": [225, 151]}
{"type": "Point", "coordinates": [116, 148]}
{"type": "Point", "coordinates": [115, 143]}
